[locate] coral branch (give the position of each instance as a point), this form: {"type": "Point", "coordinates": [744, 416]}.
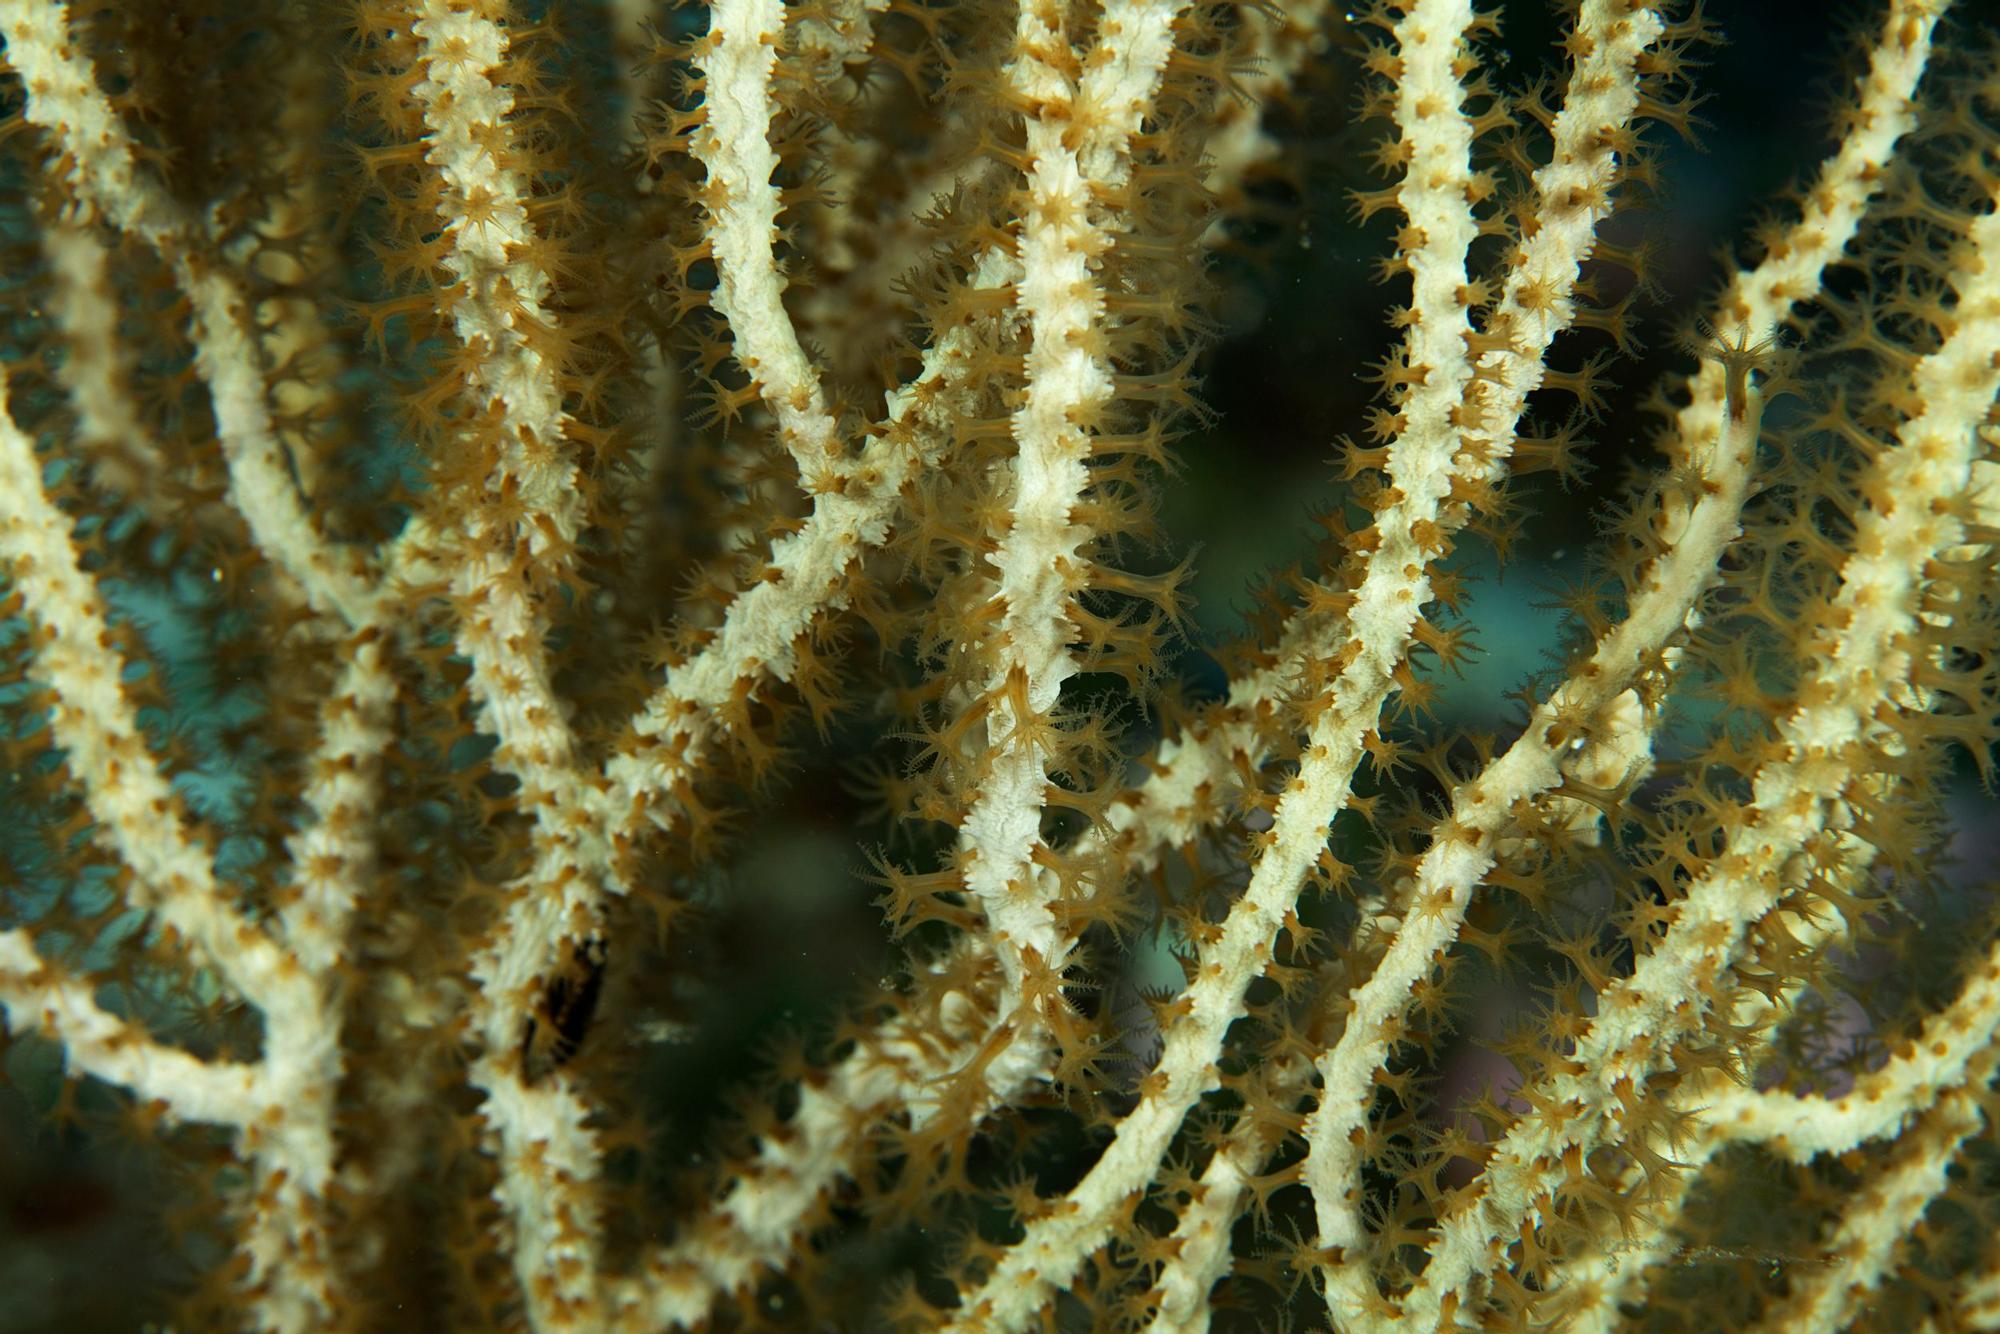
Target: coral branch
{"type": "Point", "coordinates": [513, 518]}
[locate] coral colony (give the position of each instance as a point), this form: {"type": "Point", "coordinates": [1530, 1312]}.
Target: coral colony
{"type": "Point", "coordinates": [473, 473]}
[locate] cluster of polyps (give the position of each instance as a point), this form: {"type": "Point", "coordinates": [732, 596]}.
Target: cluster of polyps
{"type": "Point", "coordinates": [961, 472]}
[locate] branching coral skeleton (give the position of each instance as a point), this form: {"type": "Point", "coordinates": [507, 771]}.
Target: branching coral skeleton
{"type": "Point", "coordinates": [901, 300]}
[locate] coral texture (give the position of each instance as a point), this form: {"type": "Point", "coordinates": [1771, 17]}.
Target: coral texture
{"type": "Point", "coordinates": [480, 481]}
